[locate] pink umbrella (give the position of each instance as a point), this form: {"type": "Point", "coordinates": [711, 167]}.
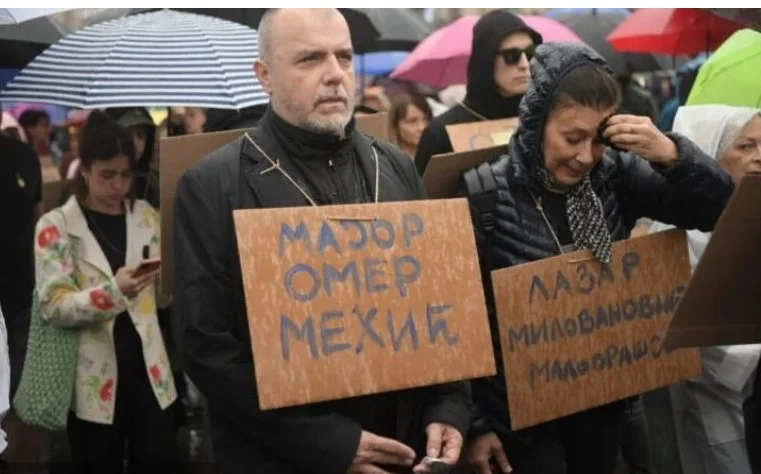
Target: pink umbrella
{"type": "Point", "coordinates": [441, 59]}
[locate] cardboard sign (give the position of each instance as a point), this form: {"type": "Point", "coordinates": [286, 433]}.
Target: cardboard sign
{"type": "Point", "coordinates": [358, 299]}
{"type": "Point", "coordinates": [374, 124]}
{"type": "Point", "coordinates": [177, 155]}
{"type": "Point", "coordinates": [180, 153]}
{"type": "Point", "coordinates": [577, 334]}
{"type": "Point", "coordinates": [51, 194]}
{"type": "Point", "coordinates": [472, 136]}
{"type": "Point", "coordinates": [722, 305]}
{"type": "Point", "coordinates": [442, 175]}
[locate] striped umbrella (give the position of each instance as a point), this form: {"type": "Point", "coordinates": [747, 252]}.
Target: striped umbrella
{"type": "Point", "coordinates": [158, 59]}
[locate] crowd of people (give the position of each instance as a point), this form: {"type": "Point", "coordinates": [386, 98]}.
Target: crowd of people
{"type": "Point", "coordinates": [586, 165]}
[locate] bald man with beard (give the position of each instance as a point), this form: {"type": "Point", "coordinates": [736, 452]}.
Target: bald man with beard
{"type": "Point", "coordinates": [306, 66]}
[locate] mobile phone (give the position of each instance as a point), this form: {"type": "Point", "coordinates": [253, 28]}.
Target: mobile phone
{"type": "Point", "coordinates": [437, 465]}
{"type": "Point", "coordinates": [147, 266]}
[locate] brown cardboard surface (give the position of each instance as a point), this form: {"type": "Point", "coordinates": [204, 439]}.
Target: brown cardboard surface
{"type": "Point", "coordinates": [420, 328]}
{"type": "Point", "coordinates": [177, 155]}
{"type": "Point", "coordinates": [51, 194]}
{"type": "Point", "coordinates": [180, 153]}
{"type": "Point", "coordinates": [374, 124]}
{"type": "Point", "coordinates": [562, 353]}
{"type": "Point", "coordinates": [475, 135]}
{"type": "Point", "coordinates": [442, 175]}
{"type": "Point", "coordinates": [722, 304]}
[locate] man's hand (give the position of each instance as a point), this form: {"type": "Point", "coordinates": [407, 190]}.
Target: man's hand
{"type": "Point", "coordinates": [374, 449]}
{"type": "Point", "coordinates": [481, 451]}
{"type": "Point", "coordinates": [444, 442]}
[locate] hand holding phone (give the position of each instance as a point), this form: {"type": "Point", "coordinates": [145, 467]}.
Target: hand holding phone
{"type": "Point", "coordinates": [132, 280]}
{"type": "Point", "coordinates": [435, 465]}
{"type": "Point", "coordinates": [147, 266]}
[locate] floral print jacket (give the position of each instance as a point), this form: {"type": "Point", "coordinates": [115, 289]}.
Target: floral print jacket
{"type": "Point", "coordinates": [77, 290]}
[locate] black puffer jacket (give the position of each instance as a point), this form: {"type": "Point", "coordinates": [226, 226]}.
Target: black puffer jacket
{"type": "Point", "coordinates": [690, 194]}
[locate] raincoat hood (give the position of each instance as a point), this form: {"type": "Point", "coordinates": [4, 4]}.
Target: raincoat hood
{"type": "Point", "coordinates": [488, 34]}
{"type": "Point", "coordinates": [713, 128]}
{"type": "Point", "coordinates": [551, 63]}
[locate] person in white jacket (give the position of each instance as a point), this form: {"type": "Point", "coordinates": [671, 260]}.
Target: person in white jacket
{"type": "Point", "coordinates": [5, 380]}
{"type": "Point", "coordinates": [708, 410]}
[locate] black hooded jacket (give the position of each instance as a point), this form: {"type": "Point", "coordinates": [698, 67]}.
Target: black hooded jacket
{"type": "Point", "coordinates": [482, 95]}
{"type": "Point", "coordinates": [689, 194]}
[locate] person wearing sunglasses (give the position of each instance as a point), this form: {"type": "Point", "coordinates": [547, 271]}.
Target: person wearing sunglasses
{"type": "Point", "coordinates": [498, 76]}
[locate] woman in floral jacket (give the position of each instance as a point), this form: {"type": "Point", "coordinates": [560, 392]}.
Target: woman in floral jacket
{"type": "Point", "coordinates": [86, 254]}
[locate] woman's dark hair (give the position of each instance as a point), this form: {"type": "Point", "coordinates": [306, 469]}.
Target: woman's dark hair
{"type": "Point", "coordinates": [398, 110]}
{"type": "Point", "coordinates": [102, 139]}
{"type": "Point", "coordinates": [588, 85]}
{"type": "Point", "coordinates": [32, 117]}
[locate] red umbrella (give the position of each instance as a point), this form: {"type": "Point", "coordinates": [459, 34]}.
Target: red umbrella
{"type": "Point", "coordinates": [671, 31]}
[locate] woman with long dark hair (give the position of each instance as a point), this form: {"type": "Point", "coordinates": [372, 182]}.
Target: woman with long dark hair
{"type": "Point", "coordinates": [407, 118]}
{"type": "Point", "coordinates": [87, 255]}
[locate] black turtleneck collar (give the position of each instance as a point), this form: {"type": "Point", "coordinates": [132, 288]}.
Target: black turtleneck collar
{"type": "Point", "coordinates": [488, 33]}
{"type": "Point", "coordinates": [299, 143]}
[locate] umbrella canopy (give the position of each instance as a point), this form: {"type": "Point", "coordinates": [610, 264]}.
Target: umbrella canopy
{"type": "Point", "coordinates": [550, 29]}
{"type": "Point", "coordinates": [159, 59]}
{"type": "Point", "coordinates": [730, 76]}
{"type": "Point", "coordinates": [9, 16]}
{"type": "Point", "coordinates": [441, 59]}
{"type": "Point", "coordinates": [562, 12]}
{"type": "Point", "coordinates": [400, 29]}
{"type": "Point", "coordinates": [750, 17]}
{"type": "Point", "coordinates": [671, 31]}
{"type": "Point", "coordinates": [363, 32]}
{"type": "Point", "coordinates": [593, 25]}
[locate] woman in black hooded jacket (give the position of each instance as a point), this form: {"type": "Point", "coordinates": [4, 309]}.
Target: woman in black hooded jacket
{"type": "Point", "coordinates": [560, 189]}
{"type": "Point", "coordinates": [498, 76]}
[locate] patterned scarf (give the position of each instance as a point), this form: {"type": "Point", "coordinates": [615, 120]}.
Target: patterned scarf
{"type": "Point", "coordinates": [586, 218]}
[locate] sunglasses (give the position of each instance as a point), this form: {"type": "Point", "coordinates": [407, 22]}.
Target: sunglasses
{"type": "Point", "coordinates": [512, 56]}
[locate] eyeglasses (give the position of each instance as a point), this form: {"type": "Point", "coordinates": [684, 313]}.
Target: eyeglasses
{"type": "Point", "coordinates": [512, 56]}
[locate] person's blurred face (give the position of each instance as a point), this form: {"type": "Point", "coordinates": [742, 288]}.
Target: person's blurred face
{"type": "Point", "coordinates": [571, 148]}
{"type": "Point", "coordinates": [139, 138]}
{"type": "Point", "coordinates": [745, 154]}
{"type": "Point", "coordinates": [310, 72]}
{"type": "Point", "coordinates": [40, 132]}
{"type": "Point", "coordinates": [194, 120]}
{"type": "Point", "coordinates": [511, 64]}
{"type": "Point", "coordinates": [411, 126]}
{"type": "Point", "coordinates": [108, 181]}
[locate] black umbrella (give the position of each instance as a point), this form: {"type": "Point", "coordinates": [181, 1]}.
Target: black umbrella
{"type": "Point", "coordinates": [593, 27]}
{"type": "Point", "coordinates": [363, 33]}
{"type": "Point", "coordinates": [400, 28]}
{"type": "Point", "coordinates": [22, 42]}
{"type": "Point", "coordinates": [751, 17]}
